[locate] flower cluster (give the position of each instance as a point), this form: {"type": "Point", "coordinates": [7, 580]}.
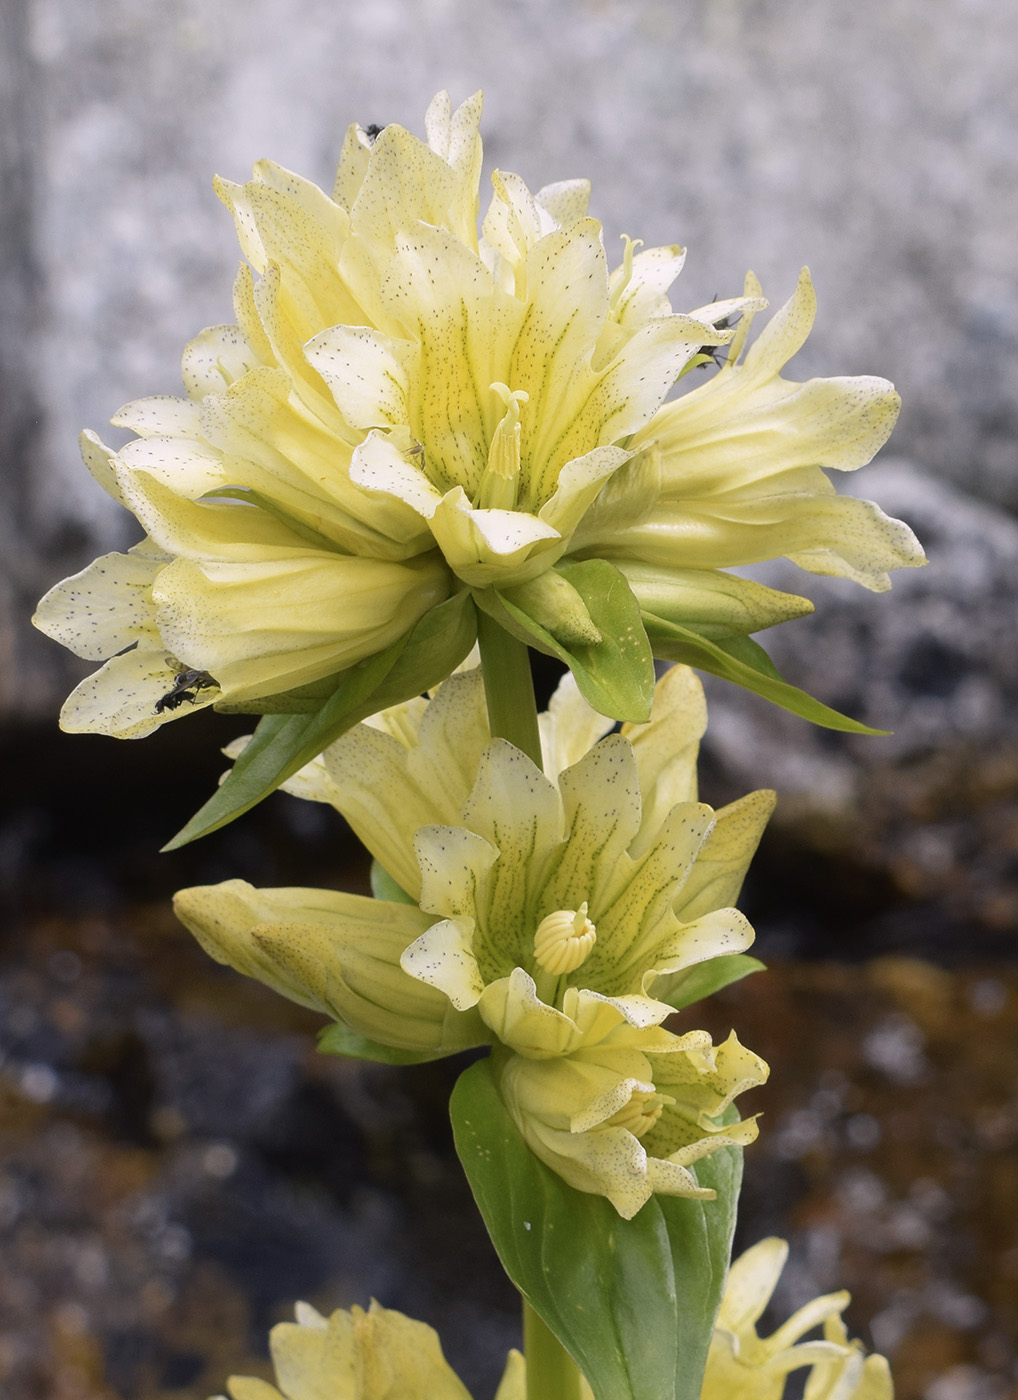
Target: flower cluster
{"type": "Point", "coordinates": [382, 1355]}
{"type": "Point", "coordinates": [557, 915]}
{"type": "Point", "coordinates": [408, 412]}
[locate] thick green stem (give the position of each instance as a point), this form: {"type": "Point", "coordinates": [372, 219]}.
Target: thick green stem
{"type": "Point", "coordinates": [552, 1374]}
{"type": "Point", "coordinates": [508, 687]}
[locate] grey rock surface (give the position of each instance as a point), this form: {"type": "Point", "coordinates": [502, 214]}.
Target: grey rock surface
{"type": "Point", "coordinates": [873, 141]}
{"type": "Point", "coordinates": [935, 660]}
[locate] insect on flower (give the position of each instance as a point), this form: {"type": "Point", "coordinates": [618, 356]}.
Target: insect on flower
{"type": "Point", "coordinates": [718, 354]}
{"type": "Point", "coordinates": [186, 685]}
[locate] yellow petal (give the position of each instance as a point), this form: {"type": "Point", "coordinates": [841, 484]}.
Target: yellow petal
{"type": "Point", "coordinates": [723, 859]}
{"type": "Point", "coordinates": [666, 748]}
{"type": "Point", "coordinates": [455, 864]}
{"type": "Point", "coordinates": [335, 953]}
{"type": "Point", "coordinates": [287, 619]}
{"type": "Point", "coordinates": [120, 698]}
{"type": "Point", "coordinates": [443, 958]}
{"type": "Point", "coordinates": [106, 607]}
{"type": "Point", "coordinates": [367, 373]}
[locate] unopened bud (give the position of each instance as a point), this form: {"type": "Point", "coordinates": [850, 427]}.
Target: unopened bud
{"type": "Point", "coordinates": [552, 601]}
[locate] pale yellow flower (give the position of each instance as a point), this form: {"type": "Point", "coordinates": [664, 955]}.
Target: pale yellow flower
{"type": "Point", "coordinates": [358, 1355]}
{"type": "Point", "coordinates": [492, 852]}
{"type": "Point", "coordinates": [626, 1111]}
{"type": "Point", "coordinates": [556, 916]}
{"type": "Point", "coordinates": [406, 408]}
{"type": "Point", "coordinates": [742, 1365]}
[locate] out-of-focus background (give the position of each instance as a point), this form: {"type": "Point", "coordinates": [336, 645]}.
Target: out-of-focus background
{"type": "Point", "coordinates": [176, 1163]}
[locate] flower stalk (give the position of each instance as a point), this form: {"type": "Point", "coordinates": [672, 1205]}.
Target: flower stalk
{"type": "Point", "coordinates": [508, 687]}
{"type": "Point", "coordinates": [552, 1374]}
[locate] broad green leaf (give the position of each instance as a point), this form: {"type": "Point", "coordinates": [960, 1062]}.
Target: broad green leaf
{"type": "Point", "coordinates": [615, 675]}
{"type": "Point", "coordinates": [282, 744]}
{"type": "Point", "coordinates": [709, 977]}
{"type": "Point", "coordinates": [632, 1301]}
{"type": "Point", "coordinates": [747, 664]}
{"type": "Point", "coordinates": [340, 1040]}
{"type": "Point", "coordinates": [383, 886]}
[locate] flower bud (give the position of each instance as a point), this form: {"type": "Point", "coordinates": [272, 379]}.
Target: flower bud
{"type": "Point", "coordinates": [553, 602]}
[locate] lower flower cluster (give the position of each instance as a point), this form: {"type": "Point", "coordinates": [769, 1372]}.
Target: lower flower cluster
{"type": "Point", "coordinates": [559, 915]}
{"type": "Point", "coordinates": [382, 1355]}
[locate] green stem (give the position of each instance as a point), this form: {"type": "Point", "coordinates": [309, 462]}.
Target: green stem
{"type": "Point", "coordinates": [552, 1374]}
{"type": "Point", "coordinates": [508, 687]}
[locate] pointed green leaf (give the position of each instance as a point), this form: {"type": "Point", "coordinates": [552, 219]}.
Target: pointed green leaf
{"type": "Point", "coordinates": [632, 1301]}
{"type": "Point", "coordinates": [747, 664]}
{"type": "Point", "coordinates": [709, 977]}
{"type": "Point", "coordinates": [282, 744]}
{"type": "Point", "coordinates": [615, 675]}
{"type": "Point", "coordinates": [338, 1039]}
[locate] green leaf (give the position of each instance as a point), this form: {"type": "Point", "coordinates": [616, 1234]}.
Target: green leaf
{"type": "Point", "coordinates": [383, 886]}
{"type": "Point", "coordinates": [338, 1039]}
{"type": "Point", "coordinates": [282, 744]}
{"type": "Point", "coordinates": [709, 977]}
{"type": "Point", "coordinates": [632, 1301]}
{"type": "Point", "coordinates": [615, 675]}
{"type": "Point", "coordinates": [747, 664]}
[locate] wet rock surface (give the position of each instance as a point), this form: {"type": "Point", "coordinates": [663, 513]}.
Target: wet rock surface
{"type": "Point", "coordinates": [935, 661]}
{"type": "Point", "coordinates": [178, 1165]}
{"type": "Point", "coordinates": [907, 842]}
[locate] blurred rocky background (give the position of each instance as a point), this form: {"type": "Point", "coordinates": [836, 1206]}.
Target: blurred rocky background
{"type": "Point", "coordinates": [176, 1163]}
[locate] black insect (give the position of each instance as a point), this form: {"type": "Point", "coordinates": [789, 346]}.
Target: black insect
{"type": "Point", "coordinates": [372, 130]}
{"type": "Point", "coordinates": [718, 353]}
{"type": "Point", "coordinates": [186, 685]}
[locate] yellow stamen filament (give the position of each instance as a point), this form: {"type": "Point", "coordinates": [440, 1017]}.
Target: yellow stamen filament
{"type": "Point", "coordinates": [641, 1112]}
{"type": "Point", "coordinates": [564, 939]}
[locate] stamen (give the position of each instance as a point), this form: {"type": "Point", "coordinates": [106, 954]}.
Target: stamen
{"type": "Point", "coordinates": [640, 1114]}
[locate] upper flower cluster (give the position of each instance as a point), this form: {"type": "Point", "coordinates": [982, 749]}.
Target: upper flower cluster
{"type": "Point", "coordinates": [554, 914]}
{"type": "Point", "coordinates": [407, 411]}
